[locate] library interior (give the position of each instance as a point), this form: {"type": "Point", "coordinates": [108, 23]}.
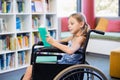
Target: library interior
{"type": "Point", "coordinates": [24, 23]}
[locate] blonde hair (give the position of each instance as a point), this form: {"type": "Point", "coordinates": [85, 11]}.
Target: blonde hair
{"type": "Point", "coordinates": [81, 18]}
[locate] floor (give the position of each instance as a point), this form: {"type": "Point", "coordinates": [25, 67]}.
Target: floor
{"type": "Point", "coordinates": [101, 62]}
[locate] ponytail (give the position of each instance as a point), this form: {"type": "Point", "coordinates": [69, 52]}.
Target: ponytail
{"type": "Point", "coordinates": [85, 29]}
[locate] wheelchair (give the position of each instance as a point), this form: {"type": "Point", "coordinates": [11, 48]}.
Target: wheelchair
{"type": "Point", "coordinates": [54, 71]}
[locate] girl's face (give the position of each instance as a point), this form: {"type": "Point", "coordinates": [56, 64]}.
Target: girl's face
{"type": "Point", "coordinates": [74, 26]}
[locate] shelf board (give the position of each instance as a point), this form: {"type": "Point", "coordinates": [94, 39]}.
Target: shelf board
{"type": "Point", "coordinates": [6, 51]}
{"type": "Point", "coordinates": [23, 32]}
{"type": "Point", "coordinates": [7, 33]}
{"type": "Point", "coordinates": [13, 69]}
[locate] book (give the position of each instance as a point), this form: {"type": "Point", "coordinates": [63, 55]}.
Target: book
{"type": "Point", "coordinates": [4, 7]}
{"type": "Point", "coordinates": [1, 25]}
{"type": "Point", "coordinates": [20, 5]}
{"type": "Point", "coordinates": [18, 24]}
{"type": "Point", "coordinates": [46, 59]}
{"type": "Point", "coordinates": [33, 6]}
{"type": "Point", "coordinates": [2, 63]}
{"type": "Point", "coordinates": [13, 43]}
{"type": "Point", "coordinates": [0, 6]}
{"type": "Point", "coordinates": [43, 34]}
{"type": "Point", "coordinates": [8, 7]}
{"type": "Point", "coordinates": [38, 6]}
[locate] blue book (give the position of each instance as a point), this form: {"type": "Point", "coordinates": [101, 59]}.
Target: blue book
{"type": "Point", "coordinates": [18, 24]}
{"type": "Point", "coordinates": [2, 62]}
{"type": "Point", "coordinates": [33, 6]}
{"type": "Point", "coordinates": [20, 6]}
{"type": "Point", "coordinates": [0, 6]}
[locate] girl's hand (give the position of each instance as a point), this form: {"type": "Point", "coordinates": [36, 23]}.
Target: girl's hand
{"type": "Point", "coordinates": [49, 39]}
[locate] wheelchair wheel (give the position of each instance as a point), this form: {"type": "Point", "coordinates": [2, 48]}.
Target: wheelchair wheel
{"type": "Point", "coordinates": [80, 72]}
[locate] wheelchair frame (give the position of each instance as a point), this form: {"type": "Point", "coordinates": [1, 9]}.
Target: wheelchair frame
{"type": "Point", "coordinates": [48, 71]}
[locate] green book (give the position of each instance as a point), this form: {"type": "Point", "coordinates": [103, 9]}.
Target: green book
{"type": "Point", "coordinates": [46, 59]}
{"type": "Point", "coordinates": [43, 32]}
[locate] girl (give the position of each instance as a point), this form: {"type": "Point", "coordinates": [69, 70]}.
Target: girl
{"type": "Point", "coordinates": [78, 28]}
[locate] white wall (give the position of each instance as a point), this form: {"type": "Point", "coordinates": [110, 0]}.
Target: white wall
{"type": "Point", "coordinates": [102, 46]}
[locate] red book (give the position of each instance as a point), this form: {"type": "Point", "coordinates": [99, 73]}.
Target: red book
{"type": "Point", "coordinates": [64, 24]}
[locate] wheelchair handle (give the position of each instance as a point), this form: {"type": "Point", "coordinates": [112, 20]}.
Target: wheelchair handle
{"type": "Point", "coordinates": [40, 43]}
{"type": "Point", "coordinates": [98, 32]}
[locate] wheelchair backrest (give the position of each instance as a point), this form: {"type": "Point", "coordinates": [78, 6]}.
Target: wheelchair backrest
{"type": "Point", "coordinates": [83, 50]}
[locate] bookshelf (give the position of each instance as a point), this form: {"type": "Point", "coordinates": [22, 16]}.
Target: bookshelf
{"type": "Point", "coordinates": [19, 22]}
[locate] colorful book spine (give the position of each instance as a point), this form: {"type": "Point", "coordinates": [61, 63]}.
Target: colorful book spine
{"type": "Point", "coordinates": [8, 7]}
{"type": "Point", "coordinates": [53, 33]}
{"type": "Point", "coordinates": [23, 58]}
{"type": "Point", "coordinates": [33, 6]}
{"type": "Point", "coordinates": [20, 5]}
{"type": "Point", "coordinates": [0, 6]}
{"type": "Point", "coordinates": [4, 6]}
{"type": "Point", "coordinates": [2, 64]}
{"type": "Point", "coordinates": [18, 24]}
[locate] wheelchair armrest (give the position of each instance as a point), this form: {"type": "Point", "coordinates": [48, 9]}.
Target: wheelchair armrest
{"type": "Point", "coordinates": [53, 49]}
{"type": "Point", "coordinates": [41, 43]}
{"type": "Point", "coordinates": [58, 56]}
{"type": "Point", "coordinates": [97, 31]}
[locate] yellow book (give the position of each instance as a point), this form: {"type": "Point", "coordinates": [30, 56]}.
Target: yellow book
{"type": "Point", "coordinates": [4, 6]}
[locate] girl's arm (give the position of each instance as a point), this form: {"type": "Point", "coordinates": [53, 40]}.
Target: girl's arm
{"type": "Point", "coordinates": [70, 50]}
{"type": "Point", "coordinates": [65, 39]}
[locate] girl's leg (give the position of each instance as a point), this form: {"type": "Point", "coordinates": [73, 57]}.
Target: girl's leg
{"type": "Point", "coordinates": [28, 73]}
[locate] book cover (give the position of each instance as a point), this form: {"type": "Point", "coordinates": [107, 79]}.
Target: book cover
{"type": "Point", "coordinates": [33, 6]}
{"type": "Point", "coordinates": [26, 57]}
{"type": "Point", "coordinates": [0, 6]}
{"type": "Point", "coordinates": [8, 7]}
{"type": "Point", "coordinates": [0, 45]}
{"type": "Point", "coordinates": [8, 42]}
{"type": "Point", "coordinates": [2, 65]}
{"type": "Point", "coordinates": [38, 6]}
{"type": "Point", "coordinates": [1, 25]}
{"type": "Point", "coordinates": [13, 43]}
{"type": "Point", "coordinates": [18, 24]}
{"type": "Point", "coordinates": [43, 32]}
{"type": "Point", "coordinates": [20, 6]}
{"type": "Point", "coordinates": [4, 5]}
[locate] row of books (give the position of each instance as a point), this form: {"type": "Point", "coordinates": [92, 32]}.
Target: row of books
{"type": "Point", "coordinates": [37, 6]}
{"type": "Point", "coordinates": [7, 61]}
{"type": "Point", "coordinates": [23, 58]}
{"type": "Point", "coordinates": [3, 26]}
{"type": "Point", "coordinates": [20, 6]}
{"type": "Point", "coordinates": [5, 6]}
{"type": "Point", "coordinates": [52, 33]}
{"type": "Point", "coordinates": [23, 41]}
{"type": "Point", "coordinates": [7, 43]}
{"type": "Point", "coordinates": [36, 22]}
{"type": "Point", "coordinates": [35, 37]}
{"type": "Point", "coordinates": [49, 21]}
{"type": "Point", "coordinates": [49, 4]}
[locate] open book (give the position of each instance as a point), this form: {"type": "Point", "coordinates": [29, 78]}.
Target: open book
{"type": "Point", "coordinates": [43, 34]}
